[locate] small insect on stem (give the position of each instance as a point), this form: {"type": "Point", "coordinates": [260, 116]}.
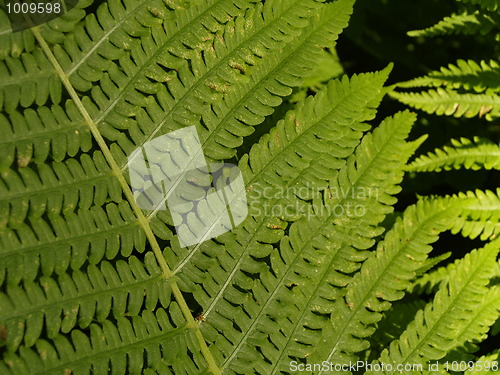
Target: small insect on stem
{"type": "Point", "coordinates": [200, 318]}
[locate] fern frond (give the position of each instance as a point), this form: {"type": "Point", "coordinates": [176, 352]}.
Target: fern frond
{"type": "Point", "coordinates": [489, 365]}
{"type": "Point", "coordinates": [318, 133]}
{"type": "Point", "coordinates": [78, 136]}
{"type": "Point", "coordinates": [327, 126]}
{"type": "Point", "coordinates": [315, 245]}
{"type": "Point", "coordinates": [455, 83]}
{"type": "Point", "coordinates": [56, 188]}
{"type": "Point", "coordinates": [88, 53]}
{"type": "Point", "coordinates": [491, 5]}
{"type": "Point", "coordinates": [28, 80]}
{"type": "Point", "coordinates": [472, 154]}
{"type": "Point", "coordinates": [435, 329]}
{"type": "Point", "coordinates": [81, 297]}
{"type": "Point", "coordinates": [159, 340]}
{"type": "Point", "coordinates": [225, 84]}
{"type": "Point", "coordinates": [310, 145]}
{"type": "Point", "coordinates": [308, 130]}
{"type": "Point", "coordinates": [90, 283]}
{"type": "Point", "coordinates": [70, 240]}
{"type": "Point", "coordinates": [274, 79]}
{"type": "Point", "coordinates": [14, 44]}
{"type": "Point", "coordinates": [53, 132]}
{"type": "Point", "coordinates": [480, 216]}
{"type": "Point", "coordinates": [330, 250]}
{"type": "Point", "coordinates": [237, 63]}
{"type": "Point", "coordinates": [476, 331]}
{"type": "Point", "coordinates": [128, 100]}
{"type": "Point", "coordinates": [429, 282]}
{"type": "Point", "coordinates": [452, 103]}
{"type": "Point", "coordinates": [393, 323]}
{"type": "Point", "coordinates": [339, 245]}
{"type": "Point", "coordinates": [464, 23]}
{"type": "Point", "coordinates": [384, 277]}
{"type": "Point", "coordinates": [467, 74]}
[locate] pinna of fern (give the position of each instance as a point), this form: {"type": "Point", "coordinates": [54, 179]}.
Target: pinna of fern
{"type": "Point", "coordinates": [444, 324]}
{"type": "Point", "coordinates": [475, 154]}
{"type": "Point", "coordinates": [467, 88]}
{"type": "Point", "coordinates": [480, 214]}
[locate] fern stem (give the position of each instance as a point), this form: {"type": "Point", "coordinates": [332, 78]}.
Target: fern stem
{"type": "Point", "coordinates": [143, 221]}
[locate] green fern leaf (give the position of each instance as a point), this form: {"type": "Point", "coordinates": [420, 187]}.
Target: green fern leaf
{"type": "Point", "coordinates": [235, 64]}
{"type": "Point", "coordinates": [316, 244]}
{"type": "Point", "coordinates": [477, 328]}
{"type": "Point", "coordinates": [68, 240]}
{"type": "Point", "coordinates": [488, 363]}
{"type": "Point", "coordinates": [127, 346]}
{"type": "Point", "coordinates": [81, 297]}
{"type": "Point", "coordinates": [334, 17]}
{"type": "Point", "coordinates": [247, 97]}
{"type": "Point", "coordinates": [466, 89]}
{"type": "Point", "coordinates": [472, 154]}
{"type": "Point", "coordinates": [35, 135]}
{"type": "Point", "coordinates": [452, 103]}
{"type": "Point", "coordinates": [465, 74]}
{"type": "Point", "coordinates": [464, 23]}
{"type": "Point", "coordinates": [90, 283]}
{"type": "Point", "coordinates": [480, 217]}
{"type": "Point", "coordinates": [56, 188]}
{"type": "Point", "coordinates": [384, 277]}
{"type": "Point", "coordinates": [306, 138]}
{"type": "Point", "coordinates": [435, 329]}
{"type": "Point", "coordinates": [276, 79]}
{"type": "Point", "coordinates": [311, 149]}
{"type": "Point", "coordinates": [492, 5]}
{"type": "Point", "coordinates": [30, 79]}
